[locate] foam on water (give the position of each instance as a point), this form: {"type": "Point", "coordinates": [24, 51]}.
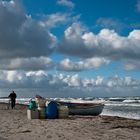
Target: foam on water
{"type": "Point", "coordinates": [123, 111]}
{"type": "Point", "coordinates": [121, 114]}
{"type": "Point", "coordinates": [116, 99]}
{"type": "Point", "coordinates": [131, 101]}
{"type": "Point", "coordinates": [128, 108]}
{"type": "Point", "coordinates": [23, 100]}
{"type": "Point", "coordinates": [122, 104]}
{"type": "Point", "coordinates": [18, 100]}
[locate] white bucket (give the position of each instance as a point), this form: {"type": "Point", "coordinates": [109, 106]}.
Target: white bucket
{"type": "Point", "coordinates": [32, 114]}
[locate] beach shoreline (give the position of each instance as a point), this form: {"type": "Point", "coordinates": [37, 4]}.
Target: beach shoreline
{"type": "Point", "coordinates": [16, 126]}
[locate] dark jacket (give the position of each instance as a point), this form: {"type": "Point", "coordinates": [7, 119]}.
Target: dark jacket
{"type": "Point", "coordinates": [12, 96]}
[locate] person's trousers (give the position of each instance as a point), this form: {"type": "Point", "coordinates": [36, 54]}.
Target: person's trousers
{"type": "Point", "coordinates": [13, 102]}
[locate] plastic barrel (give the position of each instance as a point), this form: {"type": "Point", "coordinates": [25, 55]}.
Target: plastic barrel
{"type": "Point", "coordinates": [51, 110]}
{"type": "Point", "coordinates": [32, 105]}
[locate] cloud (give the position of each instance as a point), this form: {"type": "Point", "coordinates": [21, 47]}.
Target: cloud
{"type": "Point", "coordinates": [117, 81]}
{"type": "Point", "coordinates": [138, 6]}
{"type": "Point", "coordinates": [111, 23]}
{"type": "Point", "coordinates": [41, 63]}
{"type": "Point", "coordinates": [21, 34]}
{"type": "Point", "coordinates": [73, 81]}
{"type": "Point", "coordinates": [53, 20]}
{"type": "Point", "coordinates": [67, 85]}
{"type": "Point", "coordinates": [13, 76]}
{"type": "Point", "coordinates": [107, 43]}
{"type": "Point", "coordinates": [39, 77]}
{"type": "Point", "coordinates": [66, 3]}
{"type": "Point", "coordinates": [92, 63]}
{"type": "Point", "coordinates": [131, 65]}
{"type": "Point", "coordinates": [72, 42]}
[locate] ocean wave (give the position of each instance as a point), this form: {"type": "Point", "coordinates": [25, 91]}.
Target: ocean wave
{"type": "Point", "coordinates": [122, 104]}
{"type": "Point", "coordinates": [117, 99]}
{"type": "Point", "coordinates": [131, 101]}
{"type": "Point", "coordinates": [121, 114]}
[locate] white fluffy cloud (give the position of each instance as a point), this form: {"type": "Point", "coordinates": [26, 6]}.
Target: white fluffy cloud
{"type": "Point", "coordinates": [54, 19]}
{"type": "Point", "coordinates": [67, 3]}
{"type": "Point", "coordinates": [91, 63]}
{"type": "Point", "coordinates": [107, 43]}
{"type": "Point", "coordinates": [22, 36]}
{"type": "Point", "coordinates": [72, 81]}
{"type": "Point", "coordinates": [77, 41]}
{"type": "Point", "coordinates": [117, 81]}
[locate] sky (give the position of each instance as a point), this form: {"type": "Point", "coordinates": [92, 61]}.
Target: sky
{"type": "Point", "coordinates": [70, 48]}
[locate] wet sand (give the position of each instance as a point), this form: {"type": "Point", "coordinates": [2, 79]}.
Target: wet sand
{"type": "Point", "coordinates": [14, 125]}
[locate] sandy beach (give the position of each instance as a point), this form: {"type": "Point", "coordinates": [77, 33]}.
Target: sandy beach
{"type": "Point", "coordinates": [14, 125]}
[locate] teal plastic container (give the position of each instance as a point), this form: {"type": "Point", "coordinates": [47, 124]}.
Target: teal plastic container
{"type": "Point", "coordinates": [32, 105]}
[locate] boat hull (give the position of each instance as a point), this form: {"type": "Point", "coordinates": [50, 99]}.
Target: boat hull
{"type": "Point", "coordinates": [84, 108]}
{"type": "Point", "coordinates": [90, 110]}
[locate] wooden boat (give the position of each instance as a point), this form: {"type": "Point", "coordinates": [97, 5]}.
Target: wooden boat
{"type": "Point", "coordinates": [84, 108]}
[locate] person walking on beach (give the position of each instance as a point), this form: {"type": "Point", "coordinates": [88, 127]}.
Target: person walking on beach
{"type": "Point", "coordinates": [12, 97]}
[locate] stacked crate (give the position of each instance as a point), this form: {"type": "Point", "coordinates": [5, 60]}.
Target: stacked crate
{"type": "Point", "coordinates": [41, 107]}
{"type": "Point", "coordinates": [63, 111]}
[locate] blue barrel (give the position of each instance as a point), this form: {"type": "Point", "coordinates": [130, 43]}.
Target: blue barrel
{"type": "Point", "coordinates": [52, 110]}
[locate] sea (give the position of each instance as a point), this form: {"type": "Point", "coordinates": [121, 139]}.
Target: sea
{"type": "Point", "coordinates": [127, 107]}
